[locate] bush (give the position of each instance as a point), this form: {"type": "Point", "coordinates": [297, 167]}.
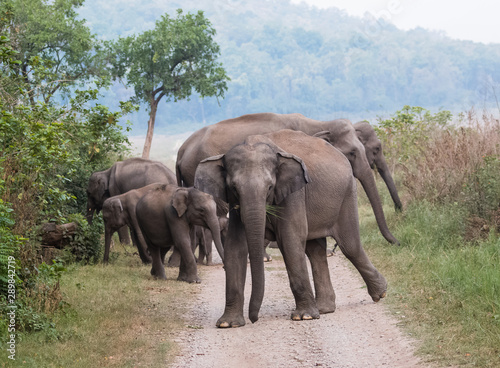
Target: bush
{"type": "Point", "coordinates": [87, 244]}
{"type": "Point", "coordinates": [445, 163]}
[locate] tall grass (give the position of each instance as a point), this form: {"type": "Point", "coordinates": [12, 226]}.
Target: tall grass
{"type": "Point", "coordinates": [445, 283]}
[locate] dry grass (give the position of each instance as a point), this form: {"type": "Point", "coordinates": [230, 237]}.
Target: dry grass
{"type": "Point", "coordinates": [451, 157]}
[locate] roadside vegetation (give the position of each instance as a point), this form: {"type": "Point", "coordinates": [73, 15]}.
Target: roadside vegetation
{"type": "Point", "coordinates": [444, 278]}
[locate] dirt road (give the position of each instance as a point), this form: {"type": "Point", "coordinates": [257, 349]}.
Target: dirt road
{"type": "Point", "coordinates": [359, 334]}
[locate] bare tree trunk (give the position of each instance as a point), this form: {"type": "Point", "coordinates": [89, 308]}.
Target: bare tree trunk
{"type": "Point", "coordinates": [151, 127]}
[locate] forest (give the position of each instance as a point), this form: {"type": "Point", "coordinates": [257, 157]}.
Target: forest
{"type": "Point", "coordinates": [325, 64]}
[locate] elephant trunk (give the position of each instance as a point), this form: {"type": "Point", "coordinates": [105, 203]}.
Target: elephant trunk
{"type": "Point", "coordinates": [254, 219]}
{"type": "Point", "coordinates": [384, 172]}
{"type": "Point", "coordinates": [368, 182]}
{"type": "Point", "coordinates": [213, 224]}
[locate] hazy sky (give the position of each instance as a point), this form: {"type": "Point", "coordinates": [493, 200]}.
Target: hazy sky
{"type": "Point", "coordinates": [476, 20]}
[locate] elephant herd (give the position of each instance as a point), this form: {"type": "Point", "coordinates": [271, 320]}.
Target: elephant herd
{"type": "Point", "coordinates": [256, 178]}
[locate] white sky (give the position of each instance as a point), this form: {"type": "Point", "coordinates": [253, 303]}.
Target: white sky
{"type": "Point", "coordinates": [475, 20]}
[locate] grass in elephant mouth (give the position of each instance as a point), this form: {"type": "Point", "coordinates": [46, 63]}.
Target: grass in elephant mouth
{"type": "Point", "coordinates": [117, 316]}
{"type": "Point", "coordinates": [444, 290]}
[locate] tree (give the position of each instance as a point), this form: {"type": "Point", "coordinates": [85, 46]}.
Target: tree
{"type": "Point", "coordinates": [176, 57]}
{"type": "Point", "coordinates": [55, 50]}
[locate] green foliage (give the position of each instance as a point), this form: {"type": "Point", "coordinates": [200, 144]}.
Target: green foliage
{"type": "Point", "coordinates": [47, 155]}
{"type": "Point", "coordinates": [176, 57]}
{"type": "Point", "coordinates": [87, 244]}
{"type": "Point", "coordinates": [405, 134]}
{"type": "Point", "coordinates": [54, 49]}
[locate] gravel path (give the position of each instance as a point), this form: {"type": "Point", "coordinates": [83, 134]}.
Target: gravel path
{"type": "Point", "coordinates": [359, 334]}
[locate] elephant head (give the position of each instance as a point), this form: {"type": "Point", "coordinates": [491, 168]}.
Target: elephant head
{"type": "Point", "coordinates": [376, 158]}
{"type": "Point", "coordinates": [97, 193]}
{"type": "Point", "coordinates": [341, 134]}
{"type": "Point", "coordinates": [249, 177]}
{"type": "Point", "coordinates": [200, 209]}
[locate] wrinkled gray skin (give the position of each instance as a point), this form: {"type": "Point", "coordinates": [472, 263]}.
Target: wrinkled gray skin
{"type": "Point", "coordinates": [123, 176]}
{"type": "Point", "coordinates": [376, 159]}
{"type": "Point", "coordinates": [203, 239]}
{"type": "Point", "coordinates": [119, 211]}
{"type": "Point", "coordinates": [315, 197]}
{"type": "Point", "coordinates": [219, 138]}
{"type": "Point", "coordinates": [167, 216]}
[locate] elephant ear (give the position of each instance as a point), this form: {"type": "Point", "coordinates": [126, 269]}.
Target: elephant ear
{"type": "Point", "coordinates": [361, 136]}
{"type": "Point", "coordinates": [325, 135]}
{"type": "Point", "coordinates": [291, 176]}
{"type": "Point", "coordinates": [179, 201]}
{"type": "Point", "coordinates": [210, 177]}
{"type": "Point", "coordinates": [116, 203]}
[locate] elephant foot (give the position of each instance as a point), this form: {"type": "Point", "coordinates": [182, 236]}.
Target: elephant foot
{"type": "Point", "coordinates": [158, 275]}
{"type": "Point", "coordinates": [329, 252]}
{"type": "Point", "coordinates": [267, 258]}
{"type": "Point", "coordinates": [190, 280]}
{"type": "Point", "coordinates": [305, 315]}
{"type": "Point", "coordinates": [326, 306]}
{"type": "Point", "coordinates": [378, 290]}
{"type": "Point", "coordinates": [227, 321]}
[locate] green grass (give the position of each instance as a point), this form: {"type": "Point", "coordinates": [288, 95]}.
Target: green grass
{"type": "Point", "coordinates": [448, 290]}
{"type": "Point", "coordinates": [117, 316]}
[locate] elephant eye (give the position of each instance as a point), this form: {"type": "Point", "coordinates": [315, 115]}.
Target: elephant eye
{"type": "Point", "coordinates": [352, 154]}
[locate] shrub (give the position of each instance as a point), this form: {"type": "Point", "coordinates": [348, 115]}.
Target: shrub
{"type": "Point", "coordinates": [445, 163]}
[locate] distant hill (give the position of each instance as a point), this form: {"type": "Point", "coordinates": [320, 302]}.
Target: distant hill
{"type": "Point", "coordinates": [325, 64]}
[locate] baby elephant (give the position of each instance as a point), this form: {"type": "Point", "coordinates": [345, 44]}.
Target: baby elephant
{"type": "Point", "coordinates": [119, 211]}
{"type": "Point", "coordinates": [166, 216]}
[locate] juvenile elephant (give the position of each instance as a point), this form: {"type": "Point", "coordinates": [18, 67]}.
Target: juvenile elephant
{"type": "Point", "coordinates": [203, 239]}
{"type": "Point", "coordinates": [166, 216]}
{"type": "Point", "coordinates": [311, 186]}
{"type": "Point", "coordinates": [376, 158]}
{"type": "Point", "coordinates": [119, 211]}
{"type": "Point", "coordinates": [123, 176]}
{"type": "Point", "coordinates": [219, 138]}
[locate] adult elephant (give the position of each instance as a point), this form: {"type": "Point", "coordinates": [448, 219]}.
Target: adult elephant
{"type": "Point", "coordinates": [376, 158]}
{"type": "Point", "coordinates": [123, 176]}
{"type": "Point", "coordinates": [219, 138]}
{"type": "Point", "coordinates": [166, 216]}
{"type": "Point", "coordinates": [311, 186]}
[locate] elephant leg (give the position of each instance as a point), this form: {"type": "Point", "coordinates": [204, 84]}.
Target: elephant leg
{"type": "Point", "coordinates": [291, 238]}
{"type": "Point", "coordinates": [188, 271]}
{"type": "Point", "coordinates": [267, 257]}
{"type": "Point", "coordinates": [175, 259]}
{"type": "Point", "coordinates": [123, 234]}
{"type": "Point", "coordinates": [348, 239]}
{"type": "Point", "coordinates": [235, 266]}
{"type": "Point", "coordinates": [325, 295]}
{"type": "Point", "coordinates": [157, 268]}
{"type": "Point", "coordinates": [143, 253]}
